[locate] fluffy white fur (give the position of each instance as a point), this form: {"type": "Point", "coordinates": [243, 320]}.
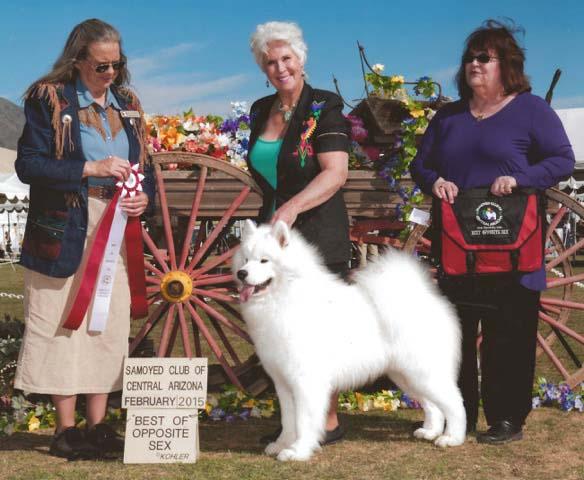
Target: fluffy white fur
{"type": "Point", "coordinates": [316, 335]}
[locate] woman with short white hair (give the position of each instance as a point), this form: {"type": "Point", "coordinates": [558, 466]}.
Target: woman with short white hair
{"type": "Point", "coordinates": [298, 154]}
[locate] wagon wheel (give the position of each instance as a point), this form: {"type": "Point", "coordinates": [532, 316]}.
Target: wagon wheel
{"type": "Point", "coordinates": [561, 329]}
{"type": "Point", "coordinates": [189, 283]}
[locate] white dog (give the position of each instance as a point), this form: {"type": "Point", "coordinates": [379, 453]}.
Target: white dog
{"type": "Point", "coordinates": [316, 335]}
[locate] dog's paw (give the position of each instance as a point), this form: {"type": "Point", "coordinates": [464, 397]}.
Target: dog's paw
{"type": "Point", "coordinates": [291, 454]}
{"type": "Point", "coordinates": [273, 448]}
{"type": "Point", "coordinates": [426, 434]}
{"type": "Point", "coordinates": [448, 441]}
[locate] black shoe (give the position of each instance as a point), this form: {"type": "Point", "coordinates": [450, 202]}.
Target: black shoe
{"type": "Point", "coordinates": [105, 439]}
{"type": "Point", "coordinates": [331, 436]}
{"type": "Point", "coordinates": [501, 432]}
{"type": "Point", "coordinates": [71, 444]}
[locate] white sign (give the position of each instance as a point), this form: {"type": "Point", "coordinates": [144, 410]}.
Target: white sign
{"type": "Point", "coordinates": [420, 217]}
{"type": "Point", "coordinates": [161, 436]}
{"type": "Point", "coordinates": [165, 383]}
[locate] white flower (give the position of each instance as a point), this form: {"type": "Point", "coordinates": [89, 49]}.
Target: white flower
{"type": "Point", "coordinates": [223, 140]}
{"type": "Point", "coordinates": [190, 126]}
{"type": "Point", "coordinates": [378, 68]}
{"type": "Point", "coordinates": [241, 134]}
{"type": "Point", "coordinates": [191, 136]}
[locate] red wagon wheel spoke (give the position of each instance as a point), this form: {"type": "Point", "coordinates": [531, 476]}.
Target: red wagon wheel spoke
{"type": "Point", "coordinates": [152, 269]}
{"type": "Point", "coordinates": [154, 250]}
{"type": "Point", "coordinates": [185, 331]}
{"type": "Point", "coordinates": [193, 217]}
{"type": "Point", "coordinates": [214, 346]}
{"type": "Point", "coordinates": [213, 263]}
{"type": "Point", "coordinates": [165, 338]}
{"type": "Point", "coordinates": [219, 227]}
{"type": "Point", "coordinates": [214, 280]}
{"type": "Point", "coordinates": [217, 316]}
{"type": "Point", "coordinates": [214, 294]}
{"type": "Point", "coordinates": [555, 221]}
{"type": "Point", "coordinates": [226, 343]}
{"type": "Point", "coordinates": [150, 323]}
{"type": "Point", "coordinates": [165, 217]}
{"type": "Point", "coordinates": [189, 284]}
{"type": "Point", "coordinates": [234, 313]}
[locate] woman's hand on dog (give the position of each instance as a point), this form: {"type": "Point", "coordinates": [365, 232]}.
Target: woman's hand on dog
{"type": "Point", "coordinates": [287, 213]}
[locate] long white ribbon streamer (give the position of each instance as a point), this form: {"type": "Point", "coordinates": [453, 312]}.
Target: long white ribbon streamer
{"type": "Point", "coordinates": [107, 272]}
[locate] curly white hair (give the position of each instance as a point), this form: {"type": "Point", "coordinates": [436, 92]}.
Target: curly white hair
{"type": "Point", "coordinates": [288, 32]}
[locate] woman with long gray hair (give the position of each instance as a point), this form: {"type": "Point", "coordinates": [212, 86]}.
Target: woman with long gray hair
{"type": "Point", "coordinates": [84, 130]}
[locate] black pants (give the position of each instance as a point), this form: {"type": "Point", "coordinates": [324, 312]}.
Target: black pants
{"type": "Point", "coordinates": [508, 314]}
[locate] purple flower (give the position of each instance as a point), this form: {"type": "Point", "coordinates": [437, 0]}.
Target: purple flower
{"type": "Point", "coordinates": [230, 418]}
{"type": "Point", "coordinates": [535, 402]}
{"type": "Point", "coordinates": [244, 415]}
{"type": "Point", "coordinates": [403, 193]}
{"type": "Point", "coordinates": [567, 404]}
{"type": "Point", "coordinates": [217, 414]}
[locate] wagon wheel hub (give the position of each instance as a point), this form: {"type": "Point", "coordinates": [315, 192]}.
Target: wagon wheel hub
{"type": "Point", "coordinates": [176, 286]}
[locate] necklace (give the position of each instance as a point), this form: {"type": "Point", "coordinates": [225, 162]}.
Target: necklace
{"type": "Point", "coordinates": [286, 111]}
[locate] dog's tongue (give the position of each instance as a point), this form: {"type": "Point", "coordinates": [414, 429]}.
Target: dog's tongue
{"type": "Point", "coordinates": [245, 293]}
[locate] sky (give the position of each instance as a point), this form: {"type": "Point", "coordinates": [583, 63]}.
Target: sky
{"type": "Point", "coordinates": [196, 53]}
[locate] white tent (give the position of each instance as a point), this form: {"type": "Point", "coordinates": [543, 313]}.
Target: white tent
{"type": "Point", "coordinates": [12, 188]}
{"type": "Point", "coordinates": [13, 208]}
{"type": "Point", "coordinates": [573, 120]}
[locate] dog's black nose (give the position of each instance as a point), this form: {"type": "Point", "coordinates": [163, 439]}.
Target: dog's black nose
{"type": "Point", "coordinates": [242, 274]}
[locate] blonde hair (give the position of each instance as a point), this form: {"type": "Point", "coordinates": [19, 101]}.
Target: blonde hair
{"type": "Point", "coordinates": [288, 32]}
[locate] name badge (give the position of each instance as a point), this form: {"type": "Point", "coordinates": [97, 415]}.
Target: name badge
{"type": "Point", "coordinates": [130, 113]}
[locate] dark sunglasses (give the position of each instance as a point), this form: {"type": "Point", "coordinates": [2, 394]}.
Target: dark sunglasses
{"type": "Point", "coordinates": [481, 57]}
{"type": "Point", "coordinates": [104, 67]}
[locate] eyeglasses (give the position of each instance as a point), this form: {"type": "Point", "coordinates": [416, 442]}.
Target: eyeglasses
{"type": "Point", "coordinates": [104, 67]}
{"type": "Point", "coordinates": [481, 58]}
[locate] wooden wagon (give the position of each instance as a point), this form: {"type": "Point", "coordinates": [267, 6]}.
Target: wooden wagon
{"type": "Point", "coordinates": [189, 243]}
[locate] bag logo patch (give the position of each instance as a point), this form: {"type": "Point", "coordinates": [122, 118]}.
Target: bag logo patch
{"type": "Point", "coordinates": [489, 214]}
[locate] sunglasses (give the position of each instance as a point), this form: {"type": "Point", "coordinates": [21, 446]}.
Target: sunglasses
{"type": "Point", "coordinates": [104, 67]}
{"type": "Point", "coordinates": [481, 58]}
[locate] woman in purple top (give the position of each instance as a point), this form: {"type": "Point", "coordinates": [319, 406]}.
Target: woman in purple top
{"type": "Point", "coordinates": [497, 135]}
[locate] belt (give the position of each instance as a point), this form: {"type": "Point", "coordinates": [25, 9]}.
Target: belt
{"type": "Point", "coordinates": [103, 192]}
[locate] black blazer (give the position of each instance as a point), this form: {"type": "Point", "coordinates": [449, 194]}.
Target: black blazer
{"type": "Point", "coordinates": [327, 225]}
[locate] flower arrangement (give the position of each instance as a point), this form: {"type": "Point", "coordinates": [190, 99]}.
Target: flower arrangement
{"type": "Point", "coordinates": [212, 135]}
{"type": "Point", "coordinates": [396, 162]}
{"type": "Point", "coordinates": [562, 396]}
{"type": "Point", "coordinates": [233, 404]}
{"type": "Point", "coordinates": [386, 400]}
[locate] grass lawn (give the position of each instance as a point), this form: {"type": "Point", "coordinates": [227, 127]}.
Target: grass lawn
{"type": "Point", "coordinates": [378, 445]}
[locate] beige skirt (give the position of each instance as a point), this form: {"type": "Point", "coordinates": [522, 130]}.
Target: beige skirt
{"type": "Point", "coordinates": [57, 361]}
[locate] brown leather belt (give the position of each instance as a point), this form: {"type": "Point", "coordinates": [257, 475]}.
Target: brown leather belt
{"type": "Point", "coordinates": [103, 192]}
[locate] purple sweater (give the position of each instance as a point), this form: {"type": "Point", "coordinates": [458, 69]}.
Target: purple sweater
{"type": "Point", "coordinates": [525, 140]}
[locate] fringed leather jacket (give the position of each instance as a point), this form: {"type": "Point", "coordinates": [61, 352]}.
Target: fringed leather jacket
{"type": "Point", "coordinates": [50, 159]}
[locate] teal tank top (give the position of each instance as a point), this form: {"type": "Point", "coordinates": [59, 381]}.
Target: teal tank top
{"type": "Point", "coordinates": [264, 158]}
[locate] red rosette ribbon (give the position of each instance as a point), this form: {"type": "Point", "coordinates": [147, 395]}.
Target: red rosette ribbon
{"type": "Point", "coordinates": [134, 256]}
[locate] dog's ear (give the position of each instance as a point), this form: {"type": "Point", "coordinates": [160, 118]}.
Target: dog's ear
{"type": "Point", "coordinates": [249, 229]}
{"type": "Point", "coordinates": [281, 231]}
